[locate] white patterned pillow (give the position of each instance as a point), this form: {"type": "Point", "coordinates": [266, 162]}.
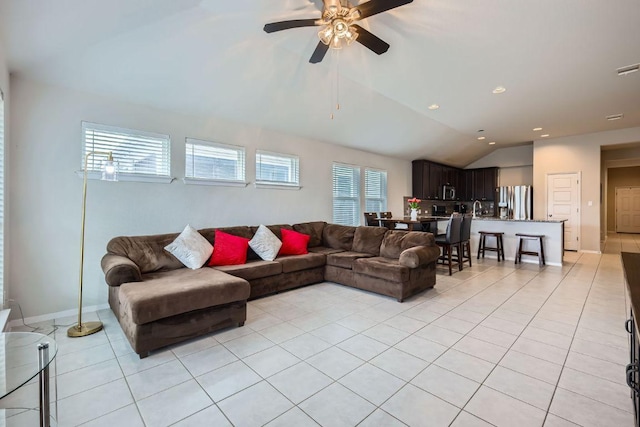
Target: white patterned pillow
{"type": "Point", "coordinates": [265, 243]}
{"type": "Point", "coordinates": [190, 248]}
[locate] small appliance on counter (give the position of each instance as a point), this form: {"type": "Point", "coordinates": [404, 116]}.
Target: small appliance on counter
{"type": "Point", "coordinates": [460, 208]}
{"type": "Point", "coordinates": [439, 210]}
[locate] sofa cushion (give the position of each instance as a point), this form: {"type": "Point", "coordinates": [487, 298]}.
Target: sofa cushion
{"type": "Point", "coordinates": [345, 259]}
{"type": "Point", "coordinates": [324, 250]}
{"type": "Point", "coordinates": [368, 240]}
{"type": "Point", "coordinates": [338, 236]}
{"type": "Point", "coordinates": [265, 243]}
{"type": "Point", "coordinates": [292, 263]}
{"type": "Point", "coordinates": [252, 269]}
{"type": "Point", "coordinates": [313, 229]}
{"type": "Point", "coordinates": [147, 252]}
{"type": "Point", "coordinates": [165, 294]}
{"type": "Point", "coordinates": [395, 242]}
{"type": "Point", "coordinates": [190, 248]}
{"type": "Point", "coordinates": [383, 268]}
{"type": "Point", "coordinates": [229, 249]}
{"type": "Point", "coordinates": [240, 230]}
{"type": "Point", "coordinates": [293, 243]}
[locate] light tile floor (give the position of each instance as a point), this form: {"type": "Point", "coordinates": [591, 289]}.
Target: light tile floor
{"type": "Point", "coordinates": [491, 345]}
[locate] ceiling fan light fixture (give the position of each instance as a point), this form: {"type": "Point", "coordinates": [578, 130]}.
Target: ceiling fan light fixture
{"type": "Point", "coordinates": [326, 34]}
{"type": "Point", "coordinates": [336, 43]}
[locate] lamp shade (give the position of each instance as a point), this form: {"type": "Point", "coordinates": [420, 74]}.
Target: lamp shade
{"type": "Point", "coordinates": [110, 171]}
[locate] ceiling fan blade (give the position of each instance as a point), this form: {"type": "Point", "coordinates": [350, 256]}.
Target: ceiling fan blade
{"type": "Point", "coordinates": [373, 7]}
{"type": "Point", "coordinates": [285, 25]}
{"type": "Point", "coordinates": [319, 53]}
{"type": "Point", "coordinates": [370, 41]}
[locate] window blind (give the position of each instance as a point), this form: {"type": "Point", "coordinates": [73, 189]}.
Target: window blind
{"type": "Point", "coordinates": [274, 168]}
{"type": "Point", "coordinates": [346, 194]}
{"type": "Point", "coordinates": [375, 190]}
{"type": "Point", "coordinates": [137, 152]}
{"type": "Point", "coordinates": [214, 161]}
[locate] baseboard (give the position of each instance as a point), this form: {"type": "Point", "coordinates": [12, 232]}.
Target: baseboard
{"type": "Point", "coordinates": [51, 316]}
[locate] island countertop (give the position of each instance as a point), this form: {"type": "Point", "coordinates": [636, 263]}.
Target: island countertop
{"type": "Point", "coordinates": [492, 218]}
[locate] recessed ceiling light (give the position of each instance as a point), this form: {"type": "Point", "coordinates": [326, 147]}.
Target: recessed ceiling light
{"type": "Point", "coordinates": [544, 136]}
{"type": "Point", "coordinates": [480, 138]}
{"type": "Point", "coordinates": [500, 89]}
{"type": "Point", "coordinates": [615, 117]}
{"type": "Point", "coordinates": [537, 129]}
{"type": "Point", "coordinates": [623, 71]}
{"type": "Point", "coordinates": [433, 107]}
{"type": "Point", "coordinates": [492, 143]}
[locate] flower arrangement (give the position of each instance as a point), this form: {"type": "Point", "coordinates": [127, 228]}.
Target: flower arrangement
{"type": "Point", "coordinates": [414, 203]}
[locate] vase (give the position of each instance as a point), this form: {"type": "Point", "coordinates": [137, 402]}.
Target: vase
{"type": "Point", "coordinates": [414, 214]}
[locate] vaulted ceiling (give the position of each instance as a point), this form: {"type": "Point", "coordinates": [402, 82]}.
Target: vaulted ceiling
{"type": "Point", "coordinates": [556, 59]}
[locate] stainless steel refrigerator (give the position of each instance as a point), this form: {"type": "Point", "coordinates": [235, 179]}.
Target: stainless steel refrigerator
{"type": "Point", "coordinates": [515, 202]}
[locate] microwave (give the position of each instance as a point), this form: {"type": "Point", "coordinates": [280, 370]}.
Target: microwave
{"type": "Point", "coordinates": [448, 192]}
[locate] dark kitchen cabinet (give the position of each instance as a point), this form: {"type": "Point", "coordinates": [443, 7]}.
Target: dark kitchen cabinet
{"type": "Point", "coordinates": [435, 181]}
{"type": "Point", "coordinates": [428, 179]}
{"type": "Point", "coordinates": [464, 190]}
{"type": "Point", "coordinates": [485, 181]}
{"type": "Point", "coordinates": [490, 183]}
{"type": "Point", "coordinates": [420, 178]}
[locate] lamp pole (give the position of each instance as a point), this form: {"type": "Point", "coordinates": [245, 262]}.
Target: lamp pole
{"type": "Point", "coordinates": [87, 328]}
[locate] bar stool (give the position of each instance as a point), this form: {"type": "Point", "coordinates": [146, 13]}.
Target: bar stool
{"type": "Point", "coordinates": [521, 238]}
{"type": "Point", "coordinates": [482, 243]}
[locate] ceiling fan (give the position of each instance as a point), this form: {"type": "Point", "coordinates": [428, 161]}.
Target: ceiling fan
{"type": "Point", "coordinates": [338, 25]}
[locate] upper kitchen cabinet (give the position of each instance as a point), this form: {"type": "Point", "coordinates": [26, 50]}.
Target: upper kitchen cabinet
{"type": "Point", "coordinates": [464, 190]}
{"type": "Point", "coordinates": [485, 181]}
{"type": "Point", "coordinates": [420, 178]}
{"type": "Point", "coordinates": [429, 178]}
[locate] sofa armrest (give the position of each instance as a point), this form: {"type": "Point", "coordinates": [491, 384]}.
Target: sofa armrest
{"type": "Point", "coordinates": [118, 270]}
{"type": "Point", "coordinates": [419, 255]}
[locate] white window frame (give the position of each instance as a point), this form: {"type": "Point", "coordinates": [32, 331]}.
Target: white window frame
{"type": "Point", "coordinates": [162, 142]}
{"type": "Point", "coordinates": [293, 183]}
{"type": "Point", "coordinates": [239, 151]}
{"type": "Point", "coordinates": [382, 197]}
{"type": "Point", "coordinates": [355, 197]}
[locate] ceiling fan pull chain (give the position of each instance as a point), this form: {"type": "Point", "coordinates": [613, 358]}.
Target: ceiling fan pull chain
{"type": "Point", "coordinates": [338, 81]}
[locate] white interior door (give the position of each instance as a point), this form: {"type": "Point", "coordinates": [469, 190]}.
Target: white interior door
{"type": "Point", "coordinates": [628, 209]}
{"type": "Point", "coordinates": [563, 204]}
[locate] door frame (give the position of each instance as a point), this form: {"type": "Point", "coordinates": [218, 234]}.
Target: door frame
{"type": "Point", "coordinates": [579, 196]}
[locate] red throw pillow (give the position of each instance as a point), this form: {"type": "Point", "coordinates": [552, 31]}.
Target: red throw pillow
{"type": "Point", "coordinates": [293, 243]}
{"type": "Point", "coordinates": [228, 249]}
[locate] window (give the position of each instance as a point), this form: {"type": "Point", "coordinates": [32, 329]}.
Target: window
{"type": "Point", "coordinates": [141, 156]}
{"type": "Point", "coordinates": [346, 194]}
{"type": "Point", "coordinates": [375, 190]}
{"type": "Point", "coordinates": [277, 169]}
{"type": "Point", "coordinates": [214, 163]}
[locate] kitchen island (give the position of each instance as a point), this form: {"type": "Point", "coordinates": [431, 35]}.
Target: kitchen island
{"type": "Point", "coordinates": [552, 230]}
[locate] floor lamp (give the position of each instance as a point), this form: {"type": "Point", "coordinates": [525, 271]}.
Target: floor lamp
{"type": "Point", "coordinates": [109, 173]}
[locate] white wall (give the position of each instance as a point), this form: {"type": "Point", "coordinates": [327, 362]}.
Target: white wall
{"type": "Point", "coordinates": [577, 154]}
{"type": "Point", "coordinates": [515, 163]}
{"type": "Point", "coordinates": [4, 86]}
{"type": "Point", "coordinates": [45, 232]}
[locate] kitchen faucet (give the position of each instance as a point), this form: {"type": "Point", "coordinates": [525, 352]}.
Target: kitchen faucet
{"type": "Point", "coordinates": [474, 207]}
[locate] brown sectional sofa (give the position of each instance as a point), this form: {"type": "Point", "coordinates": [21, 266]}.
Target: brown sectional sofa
{"type": "Point", "coordinates": [159, 302]}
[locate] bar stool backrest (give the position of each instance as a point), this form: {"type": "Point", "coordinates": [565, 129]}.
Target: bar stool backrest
{"type": "Point", "coordinates": [453, 229]}
{"type": "Point", "coordinates": [465, 232]}
{"type": "Point", "coordinates": [370, 219]}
